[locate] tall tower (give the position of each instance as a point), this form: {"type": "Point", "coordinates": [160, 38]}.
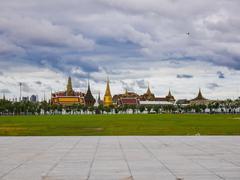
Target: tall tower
{"type": "Point", "coordinates": [108, 97]}
{"type": "Point", "coordinates": [89, 99]}
{"type": "Point", "coordinates": [69, 87]}
{"type": "Point", "coordinates": [20, 97]}
{"type": "Point", "coordinates": [148, 90]}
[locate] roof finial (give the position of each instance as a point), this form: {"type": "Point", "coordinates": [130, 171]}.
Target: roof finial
{"type": "Point", "coordinates": [148, 90]}
{"type": "Point", "coordinates": [88, 81]}
{"type": "Point", "coordinates": [169, 92]}
{"type": "Point", "coordinates": [126, 91]}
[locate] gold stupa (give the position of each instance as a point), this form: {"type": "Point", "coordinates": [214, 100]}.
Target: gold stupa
{"type": "Point", "coordinates": [108, 97]}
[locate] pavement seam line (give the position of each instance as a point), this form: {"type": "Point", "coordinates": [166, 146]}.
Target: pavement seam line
{"type": "Point", "coordinates": [153, 155]}
{"type": "Point", "coordinates": [125, 158]}
{"type": "Point", "coordinates": [93, 159]}
{"type": "Point", "coordinates": [64, 155]}
{"type": "Point", "coordinates": [27, 160]}
{"type": "Point", "coordinates": [213, 172]}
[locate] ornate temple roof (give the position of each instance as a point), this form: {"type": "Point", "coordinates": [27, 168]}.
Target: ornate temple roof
{"type": "Point", "coordinates": [89, 99]}
{"type": "Point", "coordinates": [170, 97]}
{"type": "Point", "coordinates": [148, 95]}
{"type": "Point", "coordinates": [199, 96]}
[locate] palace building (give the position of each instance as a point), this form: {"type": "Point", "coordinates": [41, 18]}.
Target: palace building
{"type": "Point", "coordinates": [68, 97]}
{"type": "Point", "coordinates": [108, 97]}
{"type": "Point", "coordinates": [148, 98]}
{"type": "Point", "coordinates": [127, 98]}
{"type": "Point", "coordinates": [151, 99]}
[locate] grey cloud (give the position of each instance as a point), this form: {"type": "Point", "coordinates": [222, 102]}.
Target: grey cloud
{"type": "Point", "coordinates": [220, 75]}
{"type": "Point", "coordinates": [5, 91]}
{"type": "Point", "coordinates": [124, 22]}
{"type": "Point", "coordinates": [38, 82]}
{"type": "Point", "coordinates": [142, 84]}
{"type": "Point", "coordinates": [79, 84]}
{"type": "Point", "coordinates": [187, 76]}
{"type": "Point", "coordinates": [41, 33]}
{"type": "Point", "coordinates": [1, 73]}
{"type": "Point", "coordinates": [212, 86]}
{"type": "Point", "coordinates": [127, 86]}
{"type": "Point", "coordinates": [26, 88]}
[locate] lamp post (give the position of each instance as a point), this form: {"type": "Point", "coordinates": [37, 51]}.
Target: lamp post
{"type": "Point", "coordinates": [20, 98]}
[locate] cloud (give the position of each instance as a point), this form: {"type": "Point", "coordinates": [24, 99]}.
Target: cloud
{"type": "Point", "coordinates": [1, 73]}
{"type": "Point", "coordinates": [26, 88]}
{"type": "Point", "coordinates": [5, 91]}
{"type": "Point", "coordinates": [220, 75]}
{"type": "Point", "coordinates": [142, 84]}
{"type": "Point", "coordinates": [42, 33]}
{"type": "Point", "coordinates": [127, 86]}
{"type": "Point", "coordinates": [187, 76]}
{"type": "Point", "coordinates": [38, 82]}
{"type": "Point", "coordinates": [212, 86]}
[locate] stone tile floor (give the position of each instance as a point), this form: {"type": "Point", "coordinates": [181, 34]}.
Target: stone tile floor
{"type": "Point", "coordinates": [123, 158]}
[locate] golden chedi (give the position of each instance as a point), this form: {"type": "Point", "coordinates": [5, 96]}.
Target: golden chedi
{"type": "Point", "coordinates": [108, 97]}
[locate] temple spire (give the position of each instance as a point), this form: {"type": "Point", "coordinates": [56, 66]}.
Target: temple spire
{"type": "Point", "coordinates": [126, 91]}
{"type": "Point", "coordinates": [108, 96]}
{"type": "Point", "coordinates": [69, 87]}
{"type": "Point", "coordinates": [170, 97]}
{"type": "Point", "coordinates": [89, 99]}
{"type": "Point", "coordinates": [148, 89]}
{"type": "Point", "coordinates": [169, 93]}
{"type": "Point", "coordinates": [88, 82]}
{"type": "Point", "coordinates": [199, 96]}
{"type": "Point", "coordinates": [108, 92]}
{"type": "Point", "coordinates": [99, 98]}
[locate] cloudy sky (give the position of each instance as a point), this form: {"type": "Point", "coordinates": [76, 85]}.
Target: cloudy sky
{"type": "Point", "coordinates": [134, 42]}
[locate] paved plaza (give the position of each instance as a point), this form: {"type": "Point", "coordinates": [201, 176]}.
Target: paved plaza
{"type": "Point", "coordinates": [123, 158]}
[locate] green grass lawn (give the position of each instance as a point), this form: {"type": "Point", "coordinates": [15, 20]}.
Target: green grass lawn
{"type": "Point", "coordinates": [148, 124]}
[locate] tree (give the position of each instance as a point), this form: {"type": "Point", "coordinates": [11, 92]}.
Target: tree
{"type": "Point", "coordinates": [101, 108]}
{"type": "Point", "coordinates": [91, 109]}
{"type": "Point", "coordinates": [107, 109]}
{"type": "Point", "coordinates": [44, 106]}
{"type": "Point", "coordinates": [156, 108]}
{"type": "Point", "coordinates": [116, 110]}
{"type": "Point", "coordinates": [149, 108]}
{"type": "Point", "coordinates": [142, 108]}
{"type": "Point", "coordinates": [133, 108]}
{"type": "Point", "coordinates": [85, 108]}
{"type": "Point", "coordinates": [74, 108]}
{"type": "Point", "coordinates": [79, 108]}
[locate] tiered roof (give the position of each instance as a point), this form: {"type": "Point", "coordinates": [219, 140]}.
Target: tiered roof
{"type": "Point", "coordinates": [199, 97]}
{"type": "Point", "coordinates": [89, 99]}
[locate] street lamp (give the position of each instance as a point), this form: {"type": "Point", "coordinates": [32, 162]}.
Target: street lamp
{"type": "Point", "coordinates": [20, 85]}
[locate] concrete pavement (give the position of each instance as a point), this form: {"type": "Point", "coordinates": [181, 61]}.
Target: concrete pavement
{"type": "Point", "coordinates": [120, 158]}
